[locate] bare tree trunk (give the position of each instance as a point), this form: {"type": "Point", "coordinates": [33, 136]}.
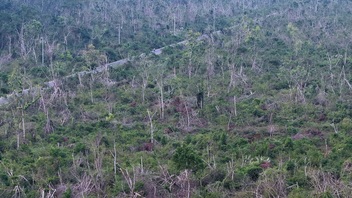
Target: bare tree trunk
{"type": "Point", "coordinates": [65, 40]}
{"type": "Point", "coordinates": [235, 105]}
{"type": "Point", "coordinates": [214, 19]}
{"type": "Point", "coordinates": [50, 51]}
{"type": "Point", "coordinates": [18, 140]}
{"type": "Point", "coordinates": [160, 85]}
{"type": "Point", "coordinates": [232, 78]}
{"type": "Point", "coordinates": [52, 68]}
{"type": "Point", "coordinates": [91, 88]}
{"type": "Point", "coordinates": [142, 166]}
{"type": "Point", "coordinates": [119, 33]}
{"type": "Point", "coordinates": [190, 68]}
{"type": "Point", "coordinates": [35, 56]}
{"type": "Point", "coordinates": [174, 24]}
{"type": "Point", "coordinates": [10, 45]}
{"type": "Point", "coordinates": [334, 127]}
{"type": "Point", "coordinates": [79, 79]}
{"type": "Point", "coordinates": [145, 77]}
{"type": "Point", "coordinates": [188, 185]}
{"type": "Point", "coordinates": [23, 123]}
{"type": "Point", "coordinates": [22, 42]}
{"type": "Point", "coordinates": [42, 44]}
{"type": "Point", "coordinates": [150, 116]}
{"type": "Point", "coordinates": [188, 117]}
{"type": "Point", "coordinates": [133, 21]}
{"type": "Point", "coordinates": [143, 91]}
{"type": "Point", "coordinates": [131, 181]}
{"type": "Point", "coordinates": [115, 160]}
{"type": "Point", "coordinates": [230, 167]}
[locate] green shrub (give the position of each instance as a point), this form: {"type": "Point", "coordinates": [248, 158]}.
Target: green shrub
{"type": "Point", "coordinates": [252, 171]}
{"type": "Point", "coordinates": [80, 147]}
{"type": "Point", "coordinates": [298, 179]}
{"type": "Point", "coordinates": [214, 176]}
{"type": "Point", "coordinates": [299, 193]}
{"type": "Point", "coordinates": [186, 158]}
{"type": "Point", "coordinates": [68, 193]}
{"type": "Point", "coordinates": [346, 125]}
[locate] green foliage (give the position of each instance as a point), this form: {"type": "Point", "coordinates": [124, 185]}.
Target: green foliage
{"type": "Point", "coordinates": [273, 85]}
{"type": "Point", "coordinates": [253, 172]}
{"type": "Point", "coordinates": [346, 125]}
{"type": "Point", "coordinates": [326, 195]}
{"type": "Point", "coordinates": [299, 193]}
{"type": "Point", "coordinates": [68, 193]}
{"type": "Point", "coordinates": [213, 177]}
{"type": "Point", "coordinates": [80, 148]}
{"type": "Point", "coordinates": [186, 158]}
{"type": "Point", "coordinates": [298, 178]}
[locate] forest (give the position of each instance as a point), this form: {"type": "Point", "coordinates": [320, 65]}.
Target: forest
{"type": "Point", "coordinates": [175, 98]}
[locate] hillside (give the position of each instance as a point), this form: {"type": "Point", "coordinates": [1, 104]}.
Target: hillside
{"type": "Point", "coordinates": [175, 98]}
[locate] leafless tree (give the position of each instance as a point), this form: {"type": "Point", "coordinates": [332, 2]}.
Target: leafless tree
{"type": "Point", "coordinates": [184, 182]}
{"type": "Point", "coordinates": [324, 182]}
{"type": "Point", "coordinates": [272, 183]}
{"type": "Point", "coordinates": [150, 118]}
